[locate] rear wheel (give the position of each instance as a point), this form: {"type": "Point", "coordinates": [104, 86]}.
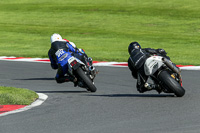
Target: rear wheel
{"type": "Point", "coordinates": [171, 83]}
{"type": "Point", "coordinates": [86, 80]}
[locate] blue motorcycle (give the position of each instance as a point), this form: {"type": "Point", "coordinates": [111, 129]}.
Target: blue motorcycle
{"type": "Point", "coordinates": [84, 72]}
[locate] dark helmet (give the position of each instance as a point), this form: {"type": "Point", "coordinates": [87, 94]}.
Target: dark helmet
{"type": "Point", "coordinates": [132, 46]}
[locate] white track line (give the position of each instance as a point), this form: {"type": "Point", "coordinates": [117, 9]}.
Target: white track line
{"type": "Point", "coordinates": [39, 101]}
{"type": "Point", "coordinates": [111, 64]}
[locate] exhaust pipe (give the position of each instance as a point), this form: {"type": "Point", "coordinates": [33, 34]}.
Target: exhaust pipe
{"type": "Point", "coordinates": [93, 72]}
{"type": "Point", "coordinates": [91, 68]}
{"type": "Point", "coordinates": [90, 60]}
{"type": "Point", "coordinates": [171, 66]}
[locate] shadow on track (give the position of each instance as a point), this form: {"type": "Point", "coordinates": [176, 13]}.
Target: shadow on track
{"type": "Point", "coordinates": [133, 95]}
{"type": "Point", "coordinates": [62, 92]}
{"type": "Point", "coordinates": [36, 79]}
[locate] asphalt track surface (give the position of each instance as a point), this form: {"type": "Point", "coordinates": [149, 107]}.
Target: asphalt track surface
{"type": "Point", "coordinates": [116, 107]}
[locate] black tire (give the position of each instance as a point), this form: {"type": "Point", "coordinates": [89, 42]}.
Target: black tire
{"type": "Point", "coordinates": [86, 80]}
{"type": "Point", "coordinates": [171, 83]}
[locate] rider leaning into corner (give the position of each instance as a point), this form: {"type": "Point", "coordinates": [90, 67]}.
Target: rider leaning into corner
{"type": "Point", "coordinates": [58, 44]}
{"type": "Point", "coordinates": [136, 62]}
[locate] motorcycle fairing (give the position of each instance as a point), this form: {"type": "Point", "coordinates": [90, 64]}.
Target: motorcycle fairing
{"type": "Point", "coordinates": [152, 64]}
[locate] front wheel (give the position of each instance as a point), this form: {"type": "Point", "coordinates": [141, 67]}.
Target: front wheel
{"type": "Point", "coordinates": [86, 79]}
{"type": "Point", "coordinates": [171, 83]}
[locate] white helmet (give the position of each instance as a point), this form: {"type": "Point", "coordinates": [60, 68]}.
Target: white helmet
{"type": "Point", "coordinates": [56, 37]}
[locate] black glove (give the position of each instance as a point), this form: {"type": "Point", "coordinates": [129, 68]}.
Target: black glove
{"type": "Point", "coordinates": [150, 51]}
{"type": "Point", "coordinates": [161, 51]}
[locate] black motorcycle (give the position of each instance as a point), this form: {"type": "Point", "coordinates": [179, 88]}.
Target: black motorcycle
{"type": "Point", "coordinates": [164, 74]}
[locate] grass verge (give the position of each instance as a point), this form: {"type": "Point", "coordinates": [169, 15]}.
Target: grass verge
{"type": "Point", "coordinates": [16, 96]}
{"type": "Point", "coordinates": [103, 28]}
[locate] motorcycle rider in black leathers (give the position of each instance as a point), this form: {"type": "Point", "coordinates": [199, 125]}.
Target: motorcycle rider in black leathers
{"type": "Point", "coordinates": [59, 46]}
{"type": "Point", "coordinates": [136, 62]}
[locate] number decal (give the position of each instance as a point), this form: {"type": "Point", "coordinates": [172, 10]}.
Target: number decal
{"type": "Point", "coordinates": [59, 53]}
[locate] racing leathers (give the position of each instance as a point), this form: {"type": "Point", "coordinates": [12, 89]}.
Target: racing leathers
{"type": "Point", "coordinates": [59, 53]}
{"type": "Point", "coordinates": [136, 65]}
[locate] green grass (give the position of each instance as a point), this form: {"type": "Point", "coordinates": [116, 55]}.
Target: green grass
{"type": "Point", "coordinates": [18, 96]}
{"type": "Point", "coordinates": [104, 28]}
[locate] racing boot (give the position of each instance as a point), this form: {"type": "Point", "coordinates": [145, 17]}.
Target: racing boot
{"type": "Point", "coordinates": [141, 88]}
{"type": "Point", "coordinates": [66, 79]}
{"type": "Point", "coordinates": [152, 87]}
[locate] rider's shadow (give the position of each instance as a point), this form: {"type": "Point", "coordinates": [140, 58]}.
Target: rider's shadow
{"type": "Point", "coordinates": [36, 79]}
{"type": "Point", "coordinates": [62, 92]}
